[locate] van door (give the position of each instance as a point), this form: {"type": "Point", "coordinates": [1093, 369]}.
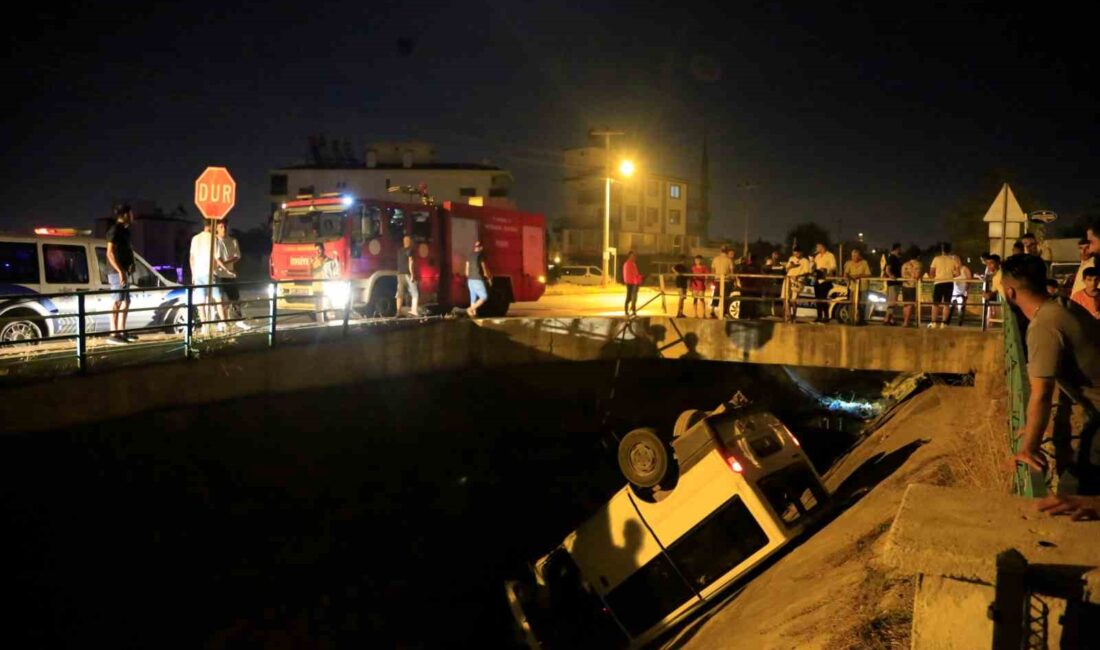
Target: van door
{"type": "Point", "coordinates": [67, 270]}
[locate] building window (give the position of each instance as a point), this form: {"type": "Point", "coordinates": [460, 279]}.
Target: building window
{"type": "Point", "coordinates": [307, 190]}
{"type": "Point", "coordinates": [467, 191]}
{"type": "Point", "coordinates": [498, 192]}
{"type": "Point", "coordinates": [278, 184]}
{"type": "Point", "coordinates": [632, 213]}
{"type": "Point", "coordinates": [677, 241]}
{"type": "Point", "coordinates": [651, 188]}
{"type": "Point", "coordinates": [674, 216]}
{"type": "Point", "coordinates": [674, 191]}
{"type": "Point", "coordinates": [651, 216]}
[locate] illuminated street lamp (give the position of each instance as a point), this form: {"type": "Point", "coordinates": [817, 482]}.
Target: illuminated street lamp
{"type": "Point", "coordinates": [626, 169]}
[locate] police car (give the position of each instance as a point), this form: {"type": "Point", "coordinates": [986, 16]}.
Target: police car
{"type": "Point", "coordinates": [66, 261]}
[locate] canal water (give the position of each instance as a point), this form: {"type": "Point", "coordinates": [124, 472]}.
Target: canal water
{"type": "Point", "coordinates": [386, 514]}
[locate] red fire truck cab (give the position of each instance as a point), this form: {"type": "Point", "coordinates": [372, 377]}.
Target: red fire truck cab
{"type": "Point", "coordinates": [364, 237]}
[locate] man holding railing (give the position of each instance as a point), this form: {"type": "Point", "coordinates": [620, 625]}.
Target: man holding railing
{"type": "Point", "coordinates": [824, 270]}
{"type": "Point", "coordinates": [1063, 350]}
{"type": "Point", "coordinates": [722, 268]}
{"type": "Point", "coordinates": [891, 269]}
{"type": "Point", "coordinates": [911, 273]}
{"type": "Point", "coordinates": [856, 269]}
{"type": "Point", "coordinates": [798, 268]}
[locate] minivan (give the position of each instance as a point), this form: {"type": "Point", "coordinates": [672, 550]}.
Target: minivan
{"type": "Point", "coordinates": [733, 488]}
{"type": "Point", "coordinates": [39, 265]}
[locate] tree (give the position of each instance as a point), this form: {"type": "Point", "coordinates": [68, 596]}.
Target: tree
{"type": "Point", "coordinates": [807, 235]}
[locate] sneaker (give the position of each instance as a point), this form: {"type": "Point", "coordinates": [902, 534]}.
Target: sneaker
{"type": "Point", "coordinates": [932, 325]}
{"type": "Point", "coordinates": [942, 325]}
{"type": "Point", "coordinates": [243, 325]}
{"type": "Point", "coordinates": [117, 339]}
{"type": "Point", "coordinates": [130, 338]}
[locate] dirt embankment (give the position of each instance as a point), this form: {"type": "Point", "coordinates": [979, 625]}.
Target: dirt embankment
{"type": "Point", "coordinates": [832, 591]}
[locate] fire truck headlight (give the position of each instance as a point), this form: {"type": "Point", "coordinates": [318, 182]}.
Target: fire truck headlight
{"type": "Point", "coordinates": [542, 279]}
{"type": "Point", "coordinates": [337, 293]}
{"type": "Point", "coordinates": [348, 200]}
{"type": "Point", "coordinates": [270, 291]}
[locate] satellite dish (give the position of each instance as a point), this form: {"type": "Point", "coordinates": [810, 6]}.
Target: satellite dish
{"type": "Point", "coordinates": [1042, 216]}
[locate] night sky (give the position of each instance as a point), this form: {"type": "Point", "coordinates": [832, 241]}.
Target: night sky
{"type": "Point", "coordinates": [883, 116]}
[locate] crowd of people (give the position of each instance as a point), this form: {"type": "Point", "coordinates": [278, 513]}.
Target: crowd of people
{"type": "Point", "coordinates": [954, 284]}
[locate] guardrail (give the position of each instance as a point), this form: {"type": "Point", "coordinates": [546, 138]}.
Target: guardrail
{"type": "Point", "coordinates": [188, 324]}
{"type": "Point", "coordinates": [863, 297]}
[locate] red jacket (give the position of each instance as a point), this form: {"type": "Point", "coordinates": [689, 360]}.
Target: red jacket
{"type": "Point", "coordinates": [630, 273]}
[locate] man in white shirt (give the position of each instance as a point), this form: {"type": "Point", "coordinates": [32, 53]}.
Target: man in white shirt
{"type": "Point", "coordinates": [824, 270]}
{"type": "Point", "coordinates": [199, 259]}
{"type": "Point", "coordinates": [944, 269]}
{"type": "Point", "coordinates": [798, 269]}
{"type": "Point", "coordinates": [722, 267]}
{"type": "Point", "coordinates": [962, 288]}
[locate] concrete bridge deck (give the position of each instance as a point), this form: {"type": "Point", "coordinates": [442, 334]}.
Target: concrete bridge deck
{"type": "Point", "coordinates": [450, 345]}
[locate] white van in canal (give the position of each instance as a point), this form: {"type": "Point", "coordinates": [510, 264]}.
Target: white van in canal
{"type": "Point", "coordinates": [735, 489]}
{"type": "Point", "coordinates": [34, 266]}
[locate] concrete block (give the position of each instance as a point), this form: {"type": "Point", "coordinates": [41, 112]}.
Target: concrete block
{"type": "Point", "coordinates": [958, 532]}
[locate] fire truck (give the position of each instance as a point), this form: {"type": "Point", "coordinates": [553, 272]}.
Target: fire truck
{"type": "Point", "coordinates": [365, 235]}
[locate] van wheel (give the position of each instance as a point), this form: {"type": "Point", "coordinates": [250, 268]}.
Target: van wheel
{"type": "Point", "coordinates": [177, 319]}
{"type": "Point", "coordinates": [644, 458]}
{"type": "Point", "coordinates": [20, 330]}
{"type": "Point", "coordinates": [687, 419]}
{"type": "Point", "coordinates": [841, 313]}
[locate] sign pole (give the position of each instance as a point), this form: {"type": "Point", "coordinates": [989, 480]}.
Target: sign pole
{"type": "Point", "coordinates": [210, 274]}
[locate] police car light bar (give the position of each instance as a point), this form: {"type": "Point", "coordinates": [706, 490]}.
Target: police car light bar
{"type": "Point", "coordinates": [61, 232]}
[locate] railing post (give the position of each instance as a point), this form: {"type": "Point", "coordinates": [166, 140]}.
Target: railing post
{"type": "Point", "coordinates": [81, 332]}
{"type": "Point", "coordinates": [347, 309]}
{"type": "Point", "coordinates": [661, 284]}
{"type": "Point", "coordinates": [786, 297]}
{"type": "Point", "coordinates": [722, 297]}
{"type": "Point", "coordinates": [272, 313]}
{"type": "Point", "coordinates": [919, 288]}
{"type": "Point", "coordinates": [189, 329]}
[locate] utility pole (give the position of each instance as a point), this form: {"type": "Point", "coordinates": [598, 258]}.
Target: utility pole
{"type": "Point", "coordinates": [748, 185]}
{"type": "Point", "coordinates": [607, 135]}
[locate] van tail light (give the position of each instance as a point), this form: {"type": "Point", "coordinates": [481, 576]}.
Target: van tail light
{"type": "Point", "coordinates": [796, 442]}
{"type": "Point", "coordinates": [735, 464]}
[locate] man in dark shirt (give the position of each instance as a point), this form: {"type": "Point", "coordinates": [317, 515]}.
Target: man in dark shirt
{"type": "Point", "coordinates": [893, 282]}
{"type": "Point", "coordinates": [477, 275]}
{"type": "Point", "coordinates": [406, 277]}
{"type": "Point", "coordinates": [120, 257]}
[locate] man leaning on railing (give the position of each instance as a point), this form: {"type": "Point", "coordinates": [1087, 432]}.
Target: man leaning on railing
{"type": "Point", "coordinates": [856, 270]}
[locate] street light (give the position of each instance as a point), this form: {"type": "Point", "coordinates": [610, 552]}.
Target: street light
{"type": "Point", "coordinates": [626, 169]}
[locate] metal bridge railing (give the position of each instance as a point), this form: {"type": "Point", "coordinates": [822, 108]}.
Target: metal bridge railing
{"type": "Point", "coordinates": [865, 297]}
{"type": "Point", "coordinates": [187, 323]}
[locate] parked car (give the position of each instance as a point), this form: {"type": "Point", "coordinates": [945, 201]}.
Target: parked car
{"type": "Point", "coordinates": [39, 265]}
{"type": "Point", "coordinates": [840, 306]}
{"type": "Point", "coordinates": [583, 275]}
{"type": "Point", "coordinates": [731, 488]}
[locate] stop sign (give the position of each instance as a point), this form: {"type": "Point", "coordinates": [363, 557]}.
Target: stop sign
{"type": "Point", "coordinates": [215, 193]}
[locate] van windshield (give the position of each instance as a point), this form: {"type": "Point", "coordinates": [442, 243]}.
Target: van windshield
{"type": "Point", "coordinates": [309, 227]}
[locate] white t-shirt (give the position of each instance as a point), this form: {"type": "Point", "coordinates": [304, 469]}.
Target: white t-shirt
{"type": "Point", "coordinates": [944, 268]}
{"type": "Point", "coordinates": [961, 286]}
{"type": "Point", "coordinates": [200, 256]}
{"type": "Point", "coordinates": [801, 266]}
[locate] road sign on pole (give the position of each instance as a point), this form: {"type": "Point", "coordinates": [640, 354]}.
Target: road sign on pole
{"type": "Point", "coordinates": [215, 196]}
{"type": "Point", "coordinates": [215, 193]}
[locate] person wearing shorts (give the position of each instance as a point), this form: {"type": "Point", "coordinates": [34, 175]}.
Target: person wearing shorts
{"type": "Point", "coordinates": [944, 270]}
{"type": "Point", "coordinates": [477, 274]}
{"type": "Point", "coordinates": [698, 287]}
{"type": "Point", "coordinates": [120, 257]}
{"type": "Point", "coordinates": [892, 269]}
{"type": "Point", "coordinates": [406, 278]}
{"type": "Point", "coordinates": [199, 259]}
{"type": "Point", "coordinates": [910, 272]}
